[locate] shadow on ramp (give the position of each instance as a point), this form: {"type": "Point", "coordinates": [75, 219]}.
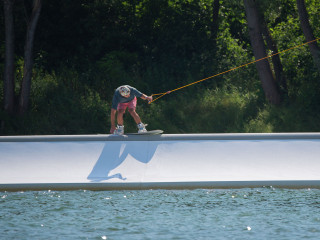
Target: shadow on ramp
{"type": "Point", "coordinates": [115, 153]}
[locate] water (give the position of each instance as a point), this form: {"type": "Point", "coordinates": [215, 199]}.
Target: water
{"type": "Point", "coordinates": [260, 213]}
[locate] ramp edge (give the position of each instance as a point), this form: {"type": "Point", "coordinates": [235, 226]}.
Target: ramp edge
{"type": "Point", "coordinates": [292, 184]}
{"type": "Point", "coordinates": [160, 137]}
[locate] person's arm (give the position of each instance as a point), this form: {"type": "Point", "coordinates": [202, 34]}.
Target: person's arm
{"type": "Point", "coordinates": [114, 105]}
{"type": "Point", "coordinates": [145, 97]}
{"type": "Point", "coordinates": [137, 93]}
{"type": "Point", "coordinates": [112, 120]}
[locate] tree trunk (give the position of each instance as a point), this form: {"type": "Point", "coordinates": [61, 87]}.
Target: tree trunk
{"type": "Point", "coordinates": [215, 18]}
{"type": "Point", "coordinates": [268, 83]}
{"type": "Point", "coordinates": [8, 89]}
{"type": "Point", "coordinates": [28, 58]}
{"type": "Point", "coordinates": [307, 31]}
{"type": "Point", "coordinates": [277, 65]}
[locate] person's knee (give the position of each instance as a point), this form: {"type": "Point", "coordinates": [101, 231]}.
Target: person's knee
{"type": "Point", "coordinates": [121, 111]}
{"type": "Point", "coordinates": [132, 111]}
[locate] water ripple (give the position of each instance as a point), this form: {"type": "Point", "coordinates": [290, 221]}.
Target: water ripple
{"type": "Point", "coordinates": [264, 213]}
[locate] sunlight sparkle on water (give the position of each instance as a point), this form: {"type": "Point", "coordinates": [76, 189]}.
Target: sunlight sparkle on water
{"type": "Point", "coordinates": [258, 213]}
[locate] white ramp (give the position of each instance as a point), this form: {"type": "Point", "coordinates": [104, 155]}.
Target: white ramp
{"type": "Point", "coordinates": [106, 162]}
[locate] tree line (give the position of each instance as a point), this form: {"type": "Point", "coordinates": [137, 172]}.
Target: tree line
{"type": "Point", "coordinates": [85, 49]}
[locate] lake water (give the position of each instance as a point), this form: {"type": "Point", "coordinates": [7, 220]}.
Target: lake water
{"type": "Point", "coordinates": [259, 213]}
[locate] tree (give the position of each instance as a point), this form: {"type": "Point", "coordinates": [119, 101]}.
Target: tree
{"type": "Point", "coordinates": [264, 70]}
{"type": "Point", "coordinates": [308, 33]}
{"type": "Point", "coordinates": [10, 105]}
{"type": "Point", "coordinates": [28, 57]}
{"type": "Point", "coordinates": [215, 17]}
{"type": "Point", "coordinates": [271, 44]}
{"type": "Point", "coordinates": [9, 57]}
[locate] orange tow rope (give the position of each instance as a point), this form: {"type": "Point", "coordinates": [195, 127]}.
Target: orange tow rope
{"type": "Point", "coordinates": [232, 69]}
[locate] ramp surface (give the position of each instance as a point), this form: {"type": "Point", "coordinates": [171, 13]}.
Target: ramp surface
{"type": "Point", "coordinates": [106, 162]}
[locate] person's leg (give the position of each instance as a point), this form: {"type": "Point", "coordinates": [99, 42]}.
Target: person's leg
{"type": "Point", "coordinates": [120, 128]}
{"type": "Point", "coordinates": [135, 115]}
{"type": "Point", "coordinates": [132, 110]}
{"type": "Point", "coordinates": [140, 125]}
{"type": "Point", "coordinates": [120, 116]}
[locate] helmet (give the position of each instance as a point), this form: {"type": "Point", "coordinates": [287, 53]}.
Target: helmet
{"type": "Point", "coordinates": [124, 91]}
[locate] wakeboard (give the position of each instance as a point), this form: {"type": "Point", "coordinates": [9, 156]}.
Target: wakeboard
{"type": "Point", "coordinates": [152, 132]}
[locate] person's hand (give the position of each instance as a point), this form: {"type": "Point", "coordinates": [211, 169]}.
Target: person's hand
{"type": "Point", "coordinates": [112, 129]}
{"type": "Point", "coordinates": [149, 99]}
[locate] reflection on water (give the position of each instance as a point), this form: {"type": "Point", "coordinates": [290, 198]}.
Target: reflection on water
{"type": "Point", "coordinates": [261, 213]}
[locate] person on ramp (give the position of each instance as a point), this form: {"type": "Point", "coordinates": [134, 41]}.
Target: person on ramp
{"type": "Point", "coordinates": [126, 97]}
